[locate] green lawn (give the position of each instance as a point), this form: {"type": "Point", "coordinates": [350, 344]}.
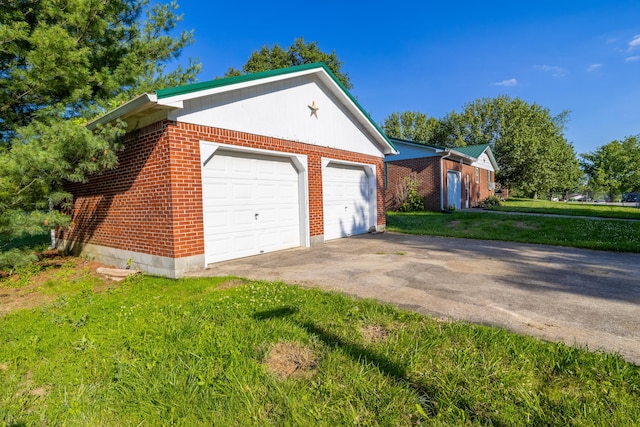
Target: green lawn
{"type": "Point", "coordinates": [232, 352]}
{"type": "Point", "coordinates": [570, 208]}
{"type": "Point", "coordinates": [609, 235]}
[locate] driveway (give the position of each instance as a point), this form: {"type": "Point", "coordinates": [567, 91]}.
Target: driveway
{"type": "Point", "coordinates": [579, 297]}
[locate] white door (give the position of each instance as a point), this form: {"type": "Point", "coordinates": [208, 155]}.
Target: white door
{"type": "Point", "coordinates": [454, 188]}
{"type": "Point", "coordinates": [251, 205]}
{"type": "Point", "coordinates": [347, 201]}
{"type": "Point", "coordinates": [466, 191]}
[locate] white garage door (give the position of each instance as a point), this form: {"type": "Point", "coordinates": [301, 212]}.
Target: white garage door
{"type": "Point", "coordinates": [347, 201]}
{"type": "Point", "coordinates": [251, 205]}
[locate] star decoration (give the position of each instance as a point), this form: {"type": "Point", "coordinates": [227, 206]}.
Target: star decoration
{"type": "Point", "coordinates": [314, 109]}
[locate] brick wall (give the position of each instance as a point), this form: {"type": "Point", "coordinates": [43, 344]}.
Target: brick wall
{"type": "Point", "coordinates": [129, 207]}
{"type": "Point", "coordinates": [152, 203]}
{"type": "Point", "coordinates": [478, 191]}
{"type": "Point", "coordinates": [427, 171]}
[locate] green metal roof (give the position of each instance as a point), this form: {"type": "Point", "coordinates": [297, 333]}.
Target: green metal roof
{"type": "Point", "coordinates": [474, 151]}
{"type": "Point", "coordinates": [435, 147]}
{"type": "Point", "coordinates": [196, 87]}
{"type": "Point", "coordinates": [211, 84]}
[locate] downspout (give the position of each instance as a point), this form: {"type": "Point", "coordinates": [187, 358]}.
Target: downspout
{"type": "Point", "coordinates": [441, 180]}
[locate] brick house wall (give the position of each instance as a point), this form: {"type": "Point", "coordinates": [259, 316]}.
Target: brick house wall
{"type": "Point", "coordinates": [427, 170]}
{"type": "Point", "coordinates": [152, 202]}
{"type": "Point", "coordinates": [478, 191]}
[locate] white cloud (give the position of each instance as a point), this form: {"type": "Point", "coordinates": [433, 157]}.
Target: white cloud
{"type": "Point", "coordinates": [635, 42]}
{"type": "Point", "coordinates": [632, 58]}
{"type": "Point", "coordinates": [510, 82]}
{"type": "Point", "coordinates": [594, 67]}
{"type": "Point", "coordinates": [554, 70]}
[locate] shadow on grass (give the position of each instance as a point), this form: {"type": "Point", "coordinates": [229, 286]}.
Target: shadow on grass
{"type": "Point", "coordinates": [360, 354]}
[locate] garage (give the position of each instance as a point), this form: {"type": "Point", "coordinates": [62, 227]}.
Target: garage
{"type": "Point", "coordinates": [348, 200]}
{"type": "Point", "coordinates": [251, 205]}
{"type": "Point", "coordinates": [231, 168]}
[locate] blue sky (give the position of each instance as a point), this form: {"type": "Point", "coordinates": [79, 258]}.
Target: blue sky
{"type": "Point", "coordinates": [435, 56]}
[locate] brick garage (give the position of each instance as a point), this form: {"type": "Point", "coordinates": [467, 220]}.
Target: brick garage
{"type": "Point", "coordinates": [293, 127]}
{"type": "Point", "coordinates": [437, 170]}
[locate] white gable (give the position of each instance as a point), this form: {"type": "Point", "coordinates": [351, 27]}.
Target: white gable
{"type": "Point", "coordinates": [280, 109]}
{"type": "Point", "coordinates": [483, 162]}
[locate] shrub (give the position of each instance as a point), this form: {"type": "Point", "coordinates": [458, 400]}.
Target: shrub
{"type": "Point", "coordinates": [490, 201]}
{"type": "Point", "coordinates": [15, 258]}
{"type": "Point", "coordinates": [406, 198]}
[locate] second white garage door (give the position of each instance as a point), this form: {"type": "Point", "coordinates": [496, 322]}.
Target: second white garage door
{"type": "Point", "coordinates": [347, 200]}
{"type": "Point", "coordinates": [251, 205]}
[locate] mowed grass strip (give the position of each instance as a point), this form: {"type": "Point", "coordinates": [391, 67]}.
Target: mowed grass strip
{"type": "Point", "coordinates": [602, 210]}
{"type": "Point", "coordinates": [227, 351]}
{"type": "Point", "coordinates": [609, 235]}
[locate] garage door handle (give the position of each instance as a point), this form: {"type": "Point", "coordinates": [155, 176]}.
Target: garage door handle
{"type": "Point", "coordinates": [346, 208]}
{"type": "Point", "coordinates": [257, 215]}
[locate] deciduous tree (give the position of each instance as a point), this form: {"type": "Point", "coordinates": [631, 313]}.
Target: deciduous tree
{"type": "Point", "coordinates": [299, 53]}
{"type": "Point", "coordinates": [527, 141]}
{"type": "Point", "coordinates": [412, 126]}
{"type": "Point", "coordinates": [614, 167]}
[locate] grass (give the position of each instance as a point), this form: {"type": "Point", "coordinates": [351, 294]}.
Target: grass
{"type": "Point", "coordinates": [225, 351]}
{"type": "Point", "coordinates": [570, 208]}
{"type": "Point", "coordinates": [609, 235]}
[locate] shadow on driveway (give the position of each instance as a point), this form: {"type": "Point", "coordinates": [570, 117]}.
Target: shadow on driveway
{"type": "Point", "coordinates": [576, 296]}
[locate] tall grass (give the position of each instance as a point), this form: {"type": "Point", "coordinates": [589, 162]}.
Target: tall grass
{"type": "Point", "coordinates": [197, 352]}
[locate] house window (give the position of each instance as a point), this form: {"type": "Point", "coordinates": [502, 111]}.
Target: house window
{"type": "Point", "coordinates": [477, 175]}
{"type": "Point", "coordinates": [489, 180]}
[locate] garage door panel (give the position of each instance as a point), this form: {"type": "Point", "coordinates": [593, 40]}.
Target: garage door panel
{"type": "Point", "coordinates": [251, 205]}
{"type": "Point", "coordinates": [347, 205]}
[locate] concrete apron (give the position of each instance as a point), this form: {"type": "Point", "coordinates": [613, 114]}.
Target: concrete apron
{"type": "Point", "coordinates": [579, 297]}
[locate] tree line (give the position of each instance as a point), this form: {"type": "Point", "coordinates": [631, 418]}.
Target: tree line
{"type": "Point", "coordinates": [529, 145]}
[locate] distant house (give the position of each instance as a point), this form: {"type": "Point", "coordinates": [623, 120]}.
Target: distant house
{"type": "Point", "coordinates": [231, 168]}
{"type": "Point", "coordinates": [458, 177]}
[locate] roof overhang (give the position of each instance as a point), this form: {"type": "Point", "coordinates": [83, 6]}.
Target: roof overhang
{"type": "Point", "coordinates": [136, 112]}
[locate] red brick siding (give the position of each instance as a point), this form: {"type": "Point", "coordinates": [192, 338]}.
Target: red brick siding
{"type": "Point", "coordinates": [477, 191]}
{"type": "Point", "coordinates": [152, 203]}
{"type": "Point", "coordinates": [428, 173]}
{"type": "Point", "coordinates": [129, 207]}
{"type": "Point", "coordinates": [426, 169]}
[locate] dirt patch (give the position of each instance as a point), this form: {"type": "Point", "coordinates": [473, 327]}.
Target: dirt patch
{"type": "Point", "coordinates": [233, 283]}
{"type": "Point", "coordinates": [20, 292]}
{"type": "Point", "coordinates": [453, 224]}
{"type": "Point", "coordinates": [374, 333]}
{"type": "Point", "coordinates": [287, 360]}
{"type": "Point", "coordinates": [39, 392]}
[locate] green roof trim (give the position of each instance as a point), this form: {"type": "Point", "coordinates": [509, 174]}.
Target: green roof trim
{"type": "Point", "coordinates": [474, 151]}
{"type": "Point", "coordinates": [423, 144]}
{"type": "Point", "coordinates": [211, 84]}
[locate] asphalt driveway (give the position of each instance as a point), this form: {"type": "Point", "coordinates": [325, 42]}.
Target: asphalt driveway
{"type": "Point", "coordinates": [580, 297]}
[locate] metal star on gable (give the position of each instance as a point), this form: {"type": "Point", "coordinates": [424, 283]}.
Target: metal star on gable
{"type": "Point", "coordinates": [314, 109]}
